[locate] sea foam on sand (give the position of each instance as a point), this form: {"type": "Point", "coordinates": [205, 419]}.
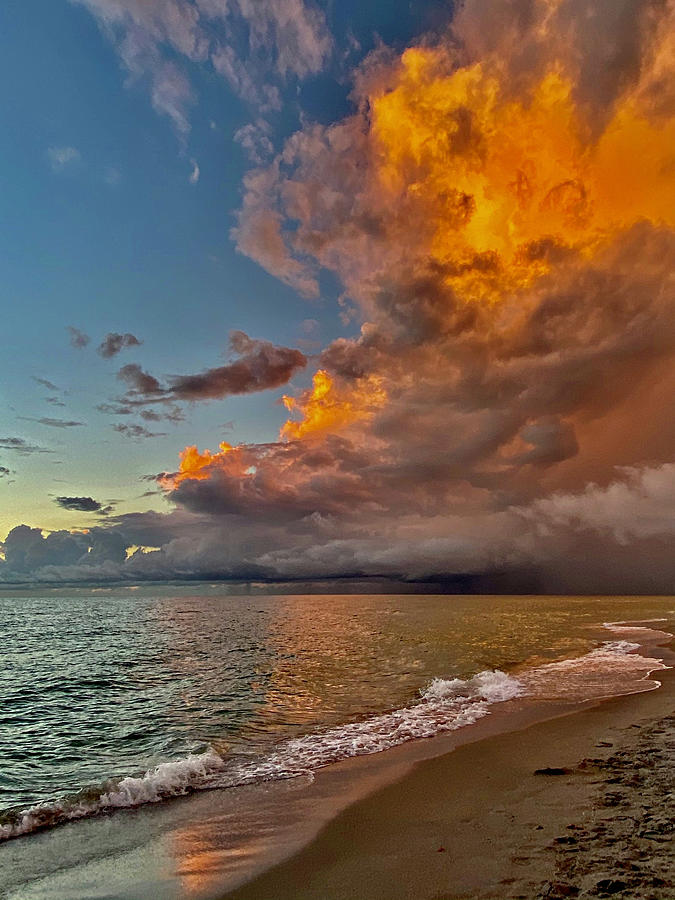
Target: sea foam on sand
{"type": "Point", "coordinates": [445, 705]}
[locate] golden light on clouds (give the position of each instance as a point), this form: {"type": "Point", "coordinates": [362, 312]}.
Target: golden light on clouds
{"type": "Point", "coordinates": [329, 408]}
{"type": "Point", "coordinates": [508, 183]}
{"type": "Point", "coordinates": [197, 466]}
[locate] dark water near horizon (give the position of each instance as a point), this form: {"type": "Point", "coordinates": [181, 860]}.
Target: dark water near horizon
{"type": "Point", "coordinates": [119, 697]}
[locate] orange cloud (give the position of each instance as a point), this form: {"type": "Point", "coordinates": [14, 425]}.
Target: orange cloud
{"type": "Point", "coordinates": [200, 466]}
{"type": "Point", "coordinates": [329, 408]}
{"type": "Point", "coordinates": [499, 209]}
{"type": "Point", "coordinates": [498, 177]}
{"type": "Point", "coordinates": [489, 157]}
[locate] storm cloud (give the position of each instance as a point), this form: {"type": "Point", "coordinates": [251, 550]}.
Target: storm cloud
{"type": "Point", "coordinates": [499, 410]}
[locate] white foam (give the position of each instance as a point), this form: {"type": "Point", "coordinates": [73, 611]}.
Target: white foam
{"type": "Point", "coordinates": [493, 686]}
{"type": "Point", "coordinates": [635, 630]}
{"type": "Point", "coordinates": [445, 705]}
{"type": "Point", "coordinates": [169, 779]}
{"type": "Point", "coordinates": [610, 670]}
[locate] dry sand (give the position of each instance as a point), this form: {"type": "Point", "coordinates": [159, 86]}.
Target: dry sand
{"type": "Point", "coordinates": [483, 822]}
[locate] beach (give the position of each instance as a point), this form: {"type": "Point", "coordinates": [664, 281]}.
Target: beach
{"type": "Point", "coordinates": [550, 781]}
{"type": "Point", "coordinates": [577, 806]}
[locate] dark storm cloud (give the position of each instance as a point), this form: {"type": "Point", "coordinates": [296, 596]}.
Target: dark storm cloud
{"type": "Point", "coordinates": [113, 343]}
{"type": "Point", "coordinates": [78, 339]}
{"type": "Point", "coordinates": [79, 504]}
{"type": "Point", "coordinates": [475, 411]}
{"type": "Point", "coordinates": [62, 555]}
{"type": "Point", "coordinates": [527, 547]}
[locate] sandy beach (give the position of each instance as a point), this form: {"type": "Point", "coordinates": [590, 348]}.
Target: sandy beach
{"type": "Point", "coordinates": [577, 806]}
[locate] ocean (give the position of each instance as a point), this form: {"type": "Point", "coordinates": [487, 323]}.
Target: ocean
{"type": "Point", "coordinates": [119, 701]}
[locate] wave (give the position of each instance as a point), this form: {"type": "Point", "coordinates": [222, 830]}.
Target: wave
{"type": "Point", "coordinates": [444, 705]}
{"type": "Point", "coordinates": [169, 779]}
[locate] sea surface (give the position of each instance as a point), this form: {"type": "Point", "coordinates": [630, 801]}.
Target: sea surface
{"type": "Point", "coordinates": [124, 697]}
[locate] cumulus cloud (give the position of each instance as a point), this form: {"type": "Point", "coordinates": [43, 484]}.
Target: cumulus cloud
{"type": "Point", "coordinates": [113, 343]}
{"type": "Point", "coordinates": [78, 339]}
{"type": "Point", "coordinates": [641, 505]}
{"type": "Point", "coordinates": [517, 309]}
{"type": "Point", "coordinates": [31, 556]}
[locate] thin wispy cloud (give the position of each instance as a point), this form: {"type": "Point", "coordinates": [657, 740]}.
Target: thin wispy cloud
{"type": "Point", "coordinates": [53, 423]}
{"type": "Point", "coordinates": [21, 445]}
{"type": "Point", "coordinates": [112, 176]}
{"type": "Point", "coordinates": [78, 339]}
{"type": "Point", "coordinates": [45, 383]}
{"type": "Point", "coordinates": [61, 158]}
{"type": "Point", "coordinates": [254, 46]}
{"type": "Point", "coordinates": [137, 432]}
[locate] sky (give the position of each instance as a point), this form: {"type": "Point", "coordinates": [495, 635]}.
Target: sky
{"type": "Point", "coordinates": [303, 291]}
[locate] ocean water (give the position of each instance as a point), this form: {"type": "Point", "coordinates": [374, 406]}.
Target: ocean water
{"type": "Point", "coordinates": [116, 698]}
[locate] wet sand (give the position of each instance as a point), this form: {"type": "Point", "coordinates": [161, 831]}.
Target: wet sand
{"type": "Point", "coordinates": [465, 814]}
{"type": "Point", "coordinates": [577, 806]}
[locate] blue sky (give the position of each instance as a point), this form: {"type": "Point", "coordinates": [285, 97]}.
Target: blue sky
{"type": "Point", "coordinates": [103, 230]}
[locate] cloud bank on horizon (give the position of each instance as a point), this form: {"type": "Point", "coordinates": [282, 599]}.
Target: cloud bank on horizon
{"type": "Point", "coordinates": [499, 210]}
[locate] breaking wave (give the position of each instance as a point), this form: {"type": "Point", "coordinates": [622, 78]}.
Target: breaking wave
{"type": "Point", "coordinates": [444, 705]}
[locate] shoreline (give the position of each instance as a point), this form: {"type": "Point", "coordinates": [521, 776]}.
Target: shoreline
{"type": "Point", "coordinates": [477, 822]}
{"type": "Point", "coordinates": [260, 841]}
